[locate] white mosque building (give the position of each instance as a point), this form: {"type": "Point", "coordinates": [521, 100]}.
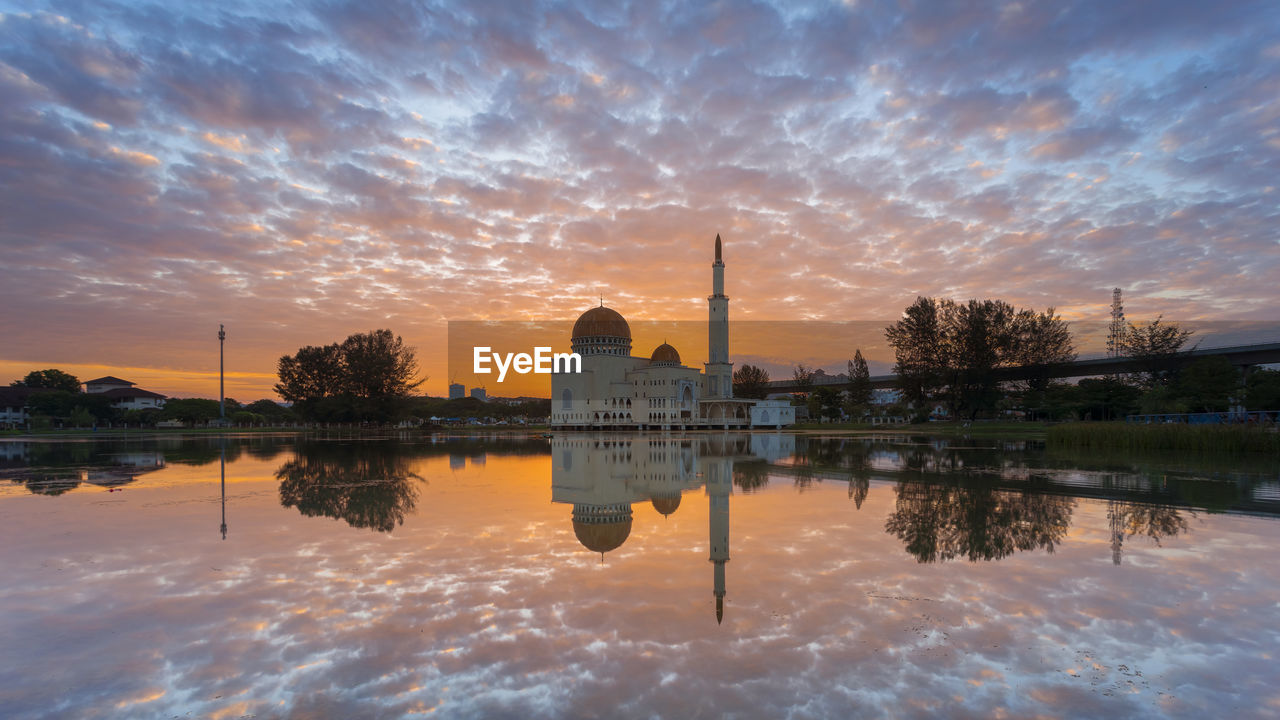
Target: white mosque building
{"type": "Point", "coordinates": [617, 390]}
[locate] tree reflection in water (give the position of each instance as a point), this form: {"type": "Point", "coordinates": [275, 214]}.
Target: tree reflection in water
{"type": "Point", "coordinates": [750, 475]}
{"type": "Point", "coordinates": [1129, 519]}
{"type": "Point", "coordinates": [940, 522]}
{"type": "Point", "coordinates": [365, 484]}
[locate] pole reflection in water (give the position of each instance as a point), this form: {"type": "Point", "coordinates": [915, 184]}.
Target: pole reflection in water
{"type": "Point", "coordinates": [223, 461]}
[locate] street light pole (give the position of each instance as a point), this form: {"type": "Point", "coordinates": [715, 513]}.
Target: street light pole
{"type": "Point", "coordinates": [222, 403]}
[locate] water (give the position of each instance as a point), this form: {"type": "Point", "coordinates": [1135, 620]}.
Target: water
{"type": "Point", "coordinates": [763, 575]}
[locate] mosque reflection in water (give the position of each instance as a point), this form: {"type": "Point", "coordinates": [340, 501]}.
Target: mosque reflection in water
{"type": "Point", "coordinates": [602, 476]}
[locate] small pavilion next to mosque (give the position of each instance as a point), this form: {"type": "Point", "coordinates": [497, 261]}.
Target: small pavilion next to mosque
{"type": "Point", "coordinates": [617, 390]}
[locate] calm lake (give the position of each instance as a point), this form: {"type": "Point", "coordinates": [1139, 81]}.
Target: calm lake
{"type": "Point", "coordinates": [709, 575]}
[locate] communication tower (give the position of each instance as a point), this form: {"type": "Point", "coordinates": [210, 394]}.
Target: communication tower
{"type": "Point", "coordinates": [1115, 333]}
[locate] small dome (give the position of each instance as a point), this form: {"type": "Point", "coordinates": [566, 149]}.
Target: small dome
{"type": "Point", "coordinates": [666, 505]}
{"type": "Point", "coordinates": [664, 354]}
{"type": "Point", "coordinates": [601, 321]}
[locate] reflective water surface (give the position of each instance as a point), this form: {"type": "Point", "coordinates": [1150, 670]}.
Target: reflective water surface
{"type": "Point", "coordinates": [754, 575]}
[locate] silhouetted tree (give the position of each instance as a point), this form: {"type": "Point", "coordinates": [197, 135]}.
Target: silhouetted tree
{"type": "Point", "coordinates": [1262, 390]}
{"type": "Point", "coordinates": [803, 377]}
{"type": "Point", "coordinates": [916, 340]}
{"type": "Point", "coordinates": [1157, 349]}
{"type": "Point", "coordinates": [191, 410]}
{"type": "Point", "coordinates": [750, 381]}
{"type": "Point", "coordinates": [859, 384]}
{"type": "Point", "coordinates": [1106, 398]}
{"type": "Point", "coordinates": [367, 377]}
{"type": "Point", "coordinates": [51, 379]}
{"type": "Point", "coordinates": [1209, 384]}
{"type": "Point", "coordinates": [952, 350]}
{"type": "Point", "coordinates": [1040, 340]}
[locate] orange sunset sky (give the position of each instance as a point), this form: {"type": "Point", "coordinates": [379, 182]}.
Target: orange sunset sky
{"type": "Point", "coordinates": [301, 174]}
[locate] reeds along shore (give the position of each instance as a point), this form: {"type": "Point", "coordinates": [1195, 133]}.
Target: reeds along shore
{"type": "Point", "coordinates": [1171, 436]}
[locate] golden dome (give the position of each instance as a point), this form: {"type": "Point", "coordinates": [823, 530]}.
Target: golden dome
{"type": "Point", "coordinates": [602, 537]}
{"type": "Point", "coordinates": [601, 321]}
{"type": "Point", "coordinates": [666, 505]}
{"type": "Point", "coordinates": [664, 354]}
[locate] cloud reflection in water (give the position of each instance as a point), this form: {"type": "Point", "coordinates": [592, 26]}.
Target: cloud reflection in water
{"type": "Point", "coordinates": [477, 598]}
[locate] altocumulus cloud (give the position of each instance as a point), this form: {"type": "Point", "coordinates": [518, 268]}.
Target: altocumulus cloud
{"type": "Point", "coordinates": [305, 173]}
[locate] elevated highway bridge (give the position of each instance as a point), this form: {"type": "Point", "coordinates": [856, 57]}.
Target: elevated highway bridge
{"type": "Point", "coordinates": [1242, 356]}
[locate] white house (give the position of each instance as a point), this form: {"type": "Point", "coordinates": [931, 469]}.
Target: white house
{"type": "Point", "coordinates": [123, 394]}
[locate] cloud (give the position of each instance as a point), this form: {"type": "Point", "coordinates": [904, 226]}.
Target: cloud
{"type": "Point", "coordinates": [306, 175]}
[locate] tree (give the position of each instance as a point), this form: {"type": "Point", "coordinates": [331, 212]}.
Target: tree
{"type": "Point", "coordinates": [56, 404]}
{"type": "Point", "coordinates": [916, 340]}
{"type": "Point", "coordinates": [1262, 390]}
{"type": "Point", "coordinates": [272, 412]}
{"type": "Point", "coordinates": [1106, 398]}
{"type": "Point", "coordinates": [977, 337]}
{"type": "Point", "coordinates": [366, 377]}
{"type": "Point", "coordinates": [52, 379]}
{"type": "Point", "coordinates": [827, 402]}
{"type": "Point", "coordinates": [750, 381]}
{"type": "Point", "coordinates": [190, 410]}
{"type": "Point", "coordinates": [953, 351]}
{"type": "Point", "coordinates": [1040, 340]}
{"type": "Point", "coordinates": [314, 372]}
{"type": "Point", "coordinates": [803, 377]}
{"type": "Point", "coordinates": [378, 364]}
{"type": "Point", "coordinates": [1209, 384]}
{"type": "Point", "coordinates": [859, 384]}
{"type": "Point", "coordinates": [1156, 348]}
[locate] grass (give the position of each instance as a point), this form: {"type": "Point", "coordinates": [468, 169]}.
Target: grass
{"type": "Point", "coordinates": [1169, 436]}
{"type": "Point", "coordinates": [1012, 429]}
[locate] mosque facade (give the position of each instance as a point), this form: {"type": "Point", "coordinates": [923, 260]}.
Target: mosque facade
{"type": "Point", "coordinates": [617, 390]}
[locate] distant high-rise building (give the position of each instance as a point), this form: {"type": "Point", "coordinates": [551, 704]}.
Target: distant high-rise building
{"type": "Point", "coordinates": [478, 393]}
{"type": "Point", "coordinates": [457, 391]}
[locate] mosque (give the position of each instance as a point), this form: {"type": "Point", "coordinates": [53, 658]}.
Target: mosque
{"type": "Point", "coordinates": [617, 390]}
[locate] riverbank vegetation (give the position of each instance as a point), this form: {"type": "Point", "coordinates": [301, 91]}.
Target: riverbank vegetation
{"type": "Point", "coordinates": [1164, 436]}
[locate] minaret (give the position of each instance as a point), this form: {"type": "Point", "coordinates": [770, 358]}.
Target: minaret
{"type": "Point", "coordinates": [719, 484]}
{"type": "Point", "coordinates": [719, 369]}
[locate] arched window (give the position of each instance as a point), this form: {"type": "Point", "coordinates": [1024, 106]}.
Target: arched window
{"type": "Point", "coordinates": [566, 399]}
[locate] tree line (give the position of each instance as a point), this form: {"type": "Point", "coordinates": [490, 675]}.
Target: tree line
{"type": "Point", "coordinates": [951, 354]}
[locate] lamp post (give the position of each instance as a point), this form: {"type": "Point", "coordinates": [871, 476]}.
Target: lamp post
{"type": "Point", "coordinates": [222, 403]}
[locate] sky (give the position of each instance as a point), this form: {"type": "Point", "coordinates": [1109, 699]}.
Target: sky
{"type": "Point", "coordinates": [300, 172]}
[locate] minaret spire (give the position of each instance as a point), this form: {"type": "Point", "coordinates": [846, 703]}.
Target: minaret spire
{"type": "Point", "coordinates": [719, 382]}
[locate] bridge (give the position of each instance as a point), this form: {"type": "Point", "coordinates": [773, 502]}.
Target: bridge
{"type": "Point", "coordinates": [1242, 356]}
